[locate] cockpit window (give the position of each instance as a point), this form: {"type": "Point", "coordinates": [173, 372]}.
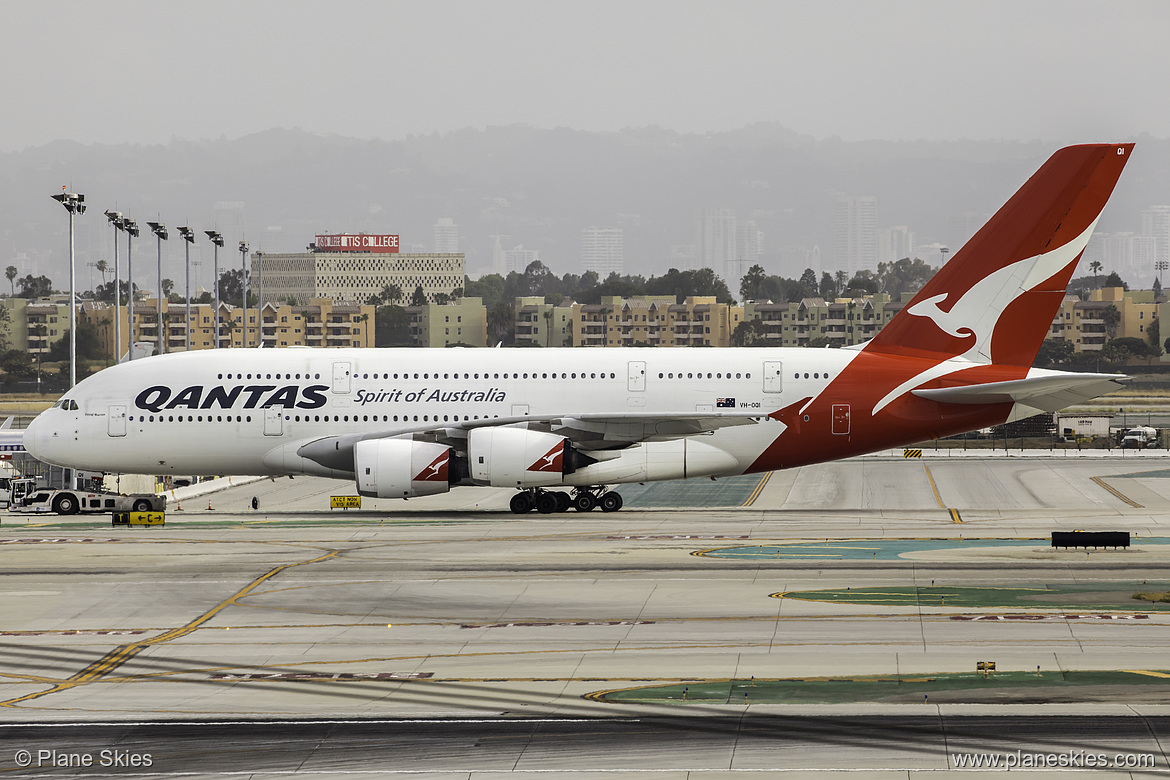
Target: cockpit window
{"type": "Point", "coordinates": [68, 405]}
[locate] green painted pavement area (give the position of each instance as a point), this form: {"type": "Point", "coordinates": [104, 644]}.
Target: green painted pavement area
{"type": "Point", "coordinates": [1097, 596]}
{"type": "Point", "coordinates": [877, 549]}
{"type": "Point", "coordinates": [726, 491]}
{"type": "Point", "coordinates": [940, 688]}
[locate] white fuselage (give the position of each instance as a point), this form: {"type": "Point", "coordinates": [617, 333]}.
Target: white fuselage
{"type": "Point", "coordinates": [241, 411]}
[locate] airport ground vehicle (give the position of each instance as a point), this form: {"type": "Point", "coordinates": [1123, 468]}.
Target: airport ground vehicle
{"type": "Point", "coordinates": [14, 490]}
{"type": "Point", "coordinates": [70, 502]}
{"type": "Point", "coordinates": [562, 426]}
{"type": "Point", "coordinates": [1140, 438]}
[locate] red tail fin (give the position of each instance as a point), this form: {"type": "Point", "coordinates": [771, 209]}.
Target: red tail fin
{"type": "Point", "coordinates": [995, 300]}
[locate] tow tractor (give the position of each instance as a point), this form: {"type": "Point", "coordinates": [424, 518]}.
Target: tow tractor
{"type": "Point", "coordinates": [70, 502]}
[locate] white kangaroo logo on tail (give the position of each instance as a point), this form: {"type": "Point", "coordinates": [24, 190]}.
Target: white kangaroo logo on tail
{"type": "Point", "coordinates": [977, 311]}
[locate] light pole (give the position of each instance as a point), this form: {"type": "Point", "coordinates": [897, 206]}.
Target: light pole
{"type": "Point", "coordinates": [131, 228]}
{"type": "Point", "coordinates": [74, 203]}
{"type": "Point", "coordinates": [188, 235]}
{"type": "Point", "coordinates": [260, 301]}
{"type": "Point", "coordinates": [244, 284]}
{"type": "Point", "coordinates": [115, 218]}
{"type": "Point", "coordinates": [217, 241]}
{"type": "Point", "coordinates": [160, 232]}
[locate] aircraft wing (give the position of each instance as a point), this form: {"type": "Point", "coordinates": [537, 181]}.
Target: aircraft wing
{"type": "Point", "coordinates": [1046, 391]}
{"type": "Point", "coordinates": [586, 431]}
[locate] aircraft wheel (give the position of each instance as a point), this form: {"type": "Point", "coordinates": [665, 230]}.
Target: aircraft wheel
{"type": "Point", "coordinates": [584, 502]}
{"type": "Point", "coordinates": [521, 503]}
{"type": "Point", "coordinates": [611, 502]}
{"type": "Point", "coordinates": [65, 504]}
{"type": "Point", "coordinates": [546, 503]}
{"type": "Point", "coordinates": [563, 501]}
{"type": "Point", "coordinates": [142, 505]}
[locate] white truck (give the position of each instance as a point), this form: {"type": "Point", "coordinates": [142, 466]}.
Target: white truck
{"type": "Point", "coordinates": [1140, 438]}
{"type": "Point", "coordinates": [70, 502]}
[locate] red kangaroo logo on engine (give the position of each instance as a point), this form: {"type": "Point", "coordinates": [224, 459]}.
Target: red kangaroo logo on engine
{"type": "Point", "coordinates": [553, 460]}
{"type": "Point", "coordinates": [437, 471]}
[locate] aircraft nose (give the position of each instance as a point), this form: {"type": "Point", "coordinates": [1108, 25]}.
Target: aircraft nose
{"type": "Point", "coordinates": [34, 438]}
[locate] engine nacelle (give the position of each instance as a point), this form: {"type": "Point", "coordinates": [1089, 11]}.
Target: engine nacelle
{"type": "Point", "coordinates": [401, 468]}
{"type": "Point", "coordinates": [657, 460]}
{"type": "Point", "coordinates": [518, 457]}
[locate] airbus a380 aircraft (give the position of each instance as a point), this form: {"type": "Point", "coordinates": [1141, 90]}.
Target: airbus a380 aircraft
{"type": "Point", "coordinates": [561, 424]}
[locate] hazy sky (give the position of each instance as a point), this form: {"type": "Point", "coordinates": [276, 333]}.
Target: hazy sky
{"type": "Point", "coordinates": [119, 70]}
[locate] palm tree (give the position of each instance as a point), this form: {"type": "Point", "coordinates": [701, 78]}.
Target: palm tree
{"type": "Point", "coordinates": [1096, 267]}
{"type": "Point", "coordinates": [102, 267]}
{"type": "Point", "coordinates": [12, 273]}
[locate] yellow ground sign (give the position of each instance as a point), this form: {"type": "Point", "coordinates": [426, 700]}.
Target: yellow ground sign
{"type": "Point", "coordinates": [345, 502]}
{"type": "Point", "coordinates": [139, 518]}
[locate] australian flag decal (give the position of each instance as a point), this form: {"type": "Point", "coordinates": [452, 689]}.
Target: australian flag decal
{"type": "Point", "coordinates": [725, 403]}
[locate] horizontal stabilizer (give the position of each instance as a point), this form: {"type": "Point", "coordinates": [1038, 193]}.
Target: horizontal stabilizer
{"type": "Point", "coordinates": [1048, 391]}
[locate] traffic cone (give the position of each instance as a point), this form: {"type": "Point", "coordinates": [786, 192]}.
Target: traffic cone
{"type": "Point", "coordinates": [209, 505]}
{"type": "Point", "coordinates": [180, 507]}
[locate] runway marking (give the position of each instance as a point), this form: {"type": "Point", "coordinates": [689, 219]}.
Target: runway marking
{"type": "Point", "coordinates": [120, 655]}
{"type": "Point", "coordinates": [1117, 493]}
{"type": "Point", "coordinates": [1146, 672]}
{"type": "Point", "coordinates": [759, 488]}
{"type": "Point", "coordinates": [933, 487]}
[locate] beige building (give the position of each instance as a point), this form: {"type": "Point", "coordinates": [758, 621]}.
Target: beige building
{"type": "Point", "coordinates": [320, 324]}
{"type": "Point", "coordinates": [461, 323]}
{"type": "Point", "coordinates": [655, 321]}
{"type": "Point", "coordinates": [353, 277]}
{"type": "Point", "coordinates": [1087, 325]}
{"type": "Point", "coordinates": [540, 324]}
{"type": "Point", "coordinates": [34, 324]}
{"type": "Point", "coordinates": [843, 322]}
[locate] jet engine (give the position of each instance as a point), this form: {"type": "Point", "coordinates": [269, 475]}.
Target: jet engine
{"type": "Point", "coordinates": [517, 457]}
{"type": "Point", "coordinates": [401, 468]}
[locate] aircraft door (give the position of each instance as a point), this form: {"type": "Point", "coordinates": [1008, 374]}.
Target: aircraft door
{"type": "Point", "coordinates": [341, 377]}
{"type": "Point", "coordinates": [117, 421]}
{"type": "Point", "coordinates": [841, 419]}
{"type": "Point", "coordinates": [637, 376]}
{"type": "Point", "coordinates": [273, 421]}
{"type": "Point", "coordinates": [773, 370]}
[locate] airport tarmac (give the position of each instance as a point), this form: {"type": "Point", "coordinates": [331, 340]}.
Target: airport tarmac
{"type": "Point", "coordinates": [447, 636]}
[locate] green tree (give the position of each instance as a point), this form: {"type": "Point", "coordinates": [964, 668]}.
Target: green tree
{"type": "Point", "coordinates": [1054, 352]}
{"type": "Point", "coordinates": [391, 327]}
{"type": "Point", "coordinates": [11, 273]}
{"type": "Point", "coordinates": [1112, 319]}
{"type": "Point", "coordinates": [750, 333]}
{"type": "Point", "coordinates": [1114, 280]}
{"type": "Point", "coordinates": [809, 279]}
{"type": "Point", "coordinates": [102, 267]}
{"type": "Point", "coordinates": [88, 347]}
{"type": "Point", "coordinates": [35, 286]}
{"type": "Point", "coordinates": [1095, 267]}
{"type": "Point", "coordinates": [828, 289]}
{"type": "Point", "coordinates": [419, 298]}
{"type": "Point", "coordinates": [500, 321]}
{"type": "Point", "coordinates": [752, 283]}
{"type": "Point", "coordinates": [1154, 337]}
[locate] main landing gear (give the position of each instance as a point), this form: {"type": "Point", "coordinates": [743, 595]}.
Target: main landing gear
{"type": "Point", "coordinates": [548, 501]}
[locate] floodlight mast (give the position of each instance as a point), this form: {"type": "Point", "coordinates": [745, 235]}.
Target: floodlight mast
{"type": "Point", "coordinates": [188, 235]}
{"type": "Point", "coordinates": [74, 203]}
{"type": "Point", "coordinates": [160, 232]}
{"type": "Point", "coordinates": [131, 228]}
{"type": "Point", "coordinates": [217, 241]}
{"type": "Point", "coordinates": [116, 221]}
{"type": "Point", "coordinates": [244, 284]}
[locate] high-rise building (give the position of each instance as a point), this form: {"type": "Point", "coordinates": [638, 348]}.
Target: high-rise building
{"type": "Point", "coordinates": [519, 258]}
{"type": "Point", "coordinates": [717, 243]}
{"type": "Point", "coordinates": [1131, 256]}
{"type": "Point", "coordinates": [855, 244]}
{"type": "Point", "coordinates": [749, 243]}
{"type": "Point", "coordinates": [894, 243]}
{"type": "Point", "coordinates": [1156, 223]}
{"type": "Point", "coordinates": [603, 251]}
{"type": "Point", "coordinates": [445, 236]}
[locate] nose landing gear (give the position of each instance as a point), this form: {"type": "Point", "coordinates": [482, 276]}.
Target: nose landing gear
{"type": "Point", "coordinates": [549, 501]}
